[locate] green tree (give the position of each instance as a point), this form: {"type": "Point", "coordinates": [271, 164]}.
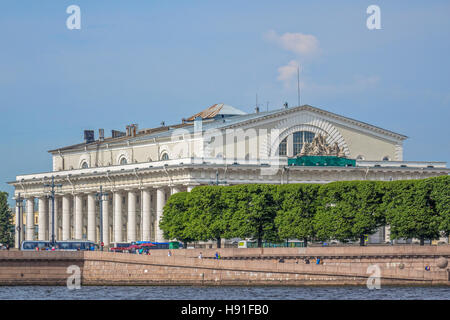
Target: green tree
{"type": "Point", "coordinates": [348, 210]}
{"type": "Point", "coordinates": [206, 214]}
{"type": "Point", "coordinates": [6, 237]}
{"type": "Point", "coordinates": [252, 210]}
{"type": "Point", "coordinates": [410, 211]}
{"type": "Point", "coordinates": [175, 219]}
{"type": "Point", "coordinates": [297, 207]}
{"type": "Point", "coordinates": [440, 200]}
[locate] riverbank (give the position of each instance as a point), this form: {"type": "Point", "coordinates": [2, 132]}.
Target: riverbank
{"type": "Point", "coordinates": [340, 266]}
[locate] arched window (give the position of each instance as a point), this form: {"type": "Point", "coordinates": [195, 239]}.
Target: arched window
{"type": "Point", "coordinates": [123, 161]}
{"type": "Point", "coordinates": [165, 156]}
{"type": "Point", "coordinates": [386, 158]}
{"type": "Point", "coordinates": [282, 148]}
{"type": "Point", "coordinates": [360, 157]}
{"type": "Point", "coordinates": [300, 138]}
{"type": "Point", "coordinates": [84, 165]}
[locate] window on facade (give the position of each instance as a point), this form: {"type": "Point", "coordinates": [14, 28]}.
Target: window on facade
{"type": "Point", "coordinates": [84, 165]}
{"type": "Point", "coordinates": [386, 158]}
{"type": "Point", "coordinates": [165, 156]}
{"type": "Point", "coordinates": [123, 161]}
{"type": "Point", "coordinates": [300, 138]}
{"type": "Point", "coordinates": [282, 148]}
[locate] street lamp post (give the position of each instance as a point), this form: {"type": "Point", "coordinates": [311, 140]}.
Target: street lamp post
{"type": "Point", "coordinates": [19, 205]}
{"type": "Point", "coordinates": [52, 196]}
{"type": "Point", "coordinates": [217, 182]}
{"type": "Point", "coordinates": [100, 199]}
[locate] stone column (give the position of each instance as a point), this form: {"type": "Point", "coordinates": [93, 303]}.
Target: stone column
{"type": "Point", "coordinates": [17, 226]}
{"type": "Point", "coordinates": [175, 190]}
{"type": "Point", "coordinates": [66, 217]}
{"type": "Point", "coordinates": [42, 218]}
{"type": "Point", "coordinates": [160, 202]}
{"type": "Point", "coordinates": [78, 217]}
{"type": "Point", "coordinates": [50, 223]}
{"type": "Point", "coordinates": [290, 145]}
{"type": "Point", "coordinates": [117, 217]}
{"type": "Point", "coordinates": [30, 219]}
{"type": "Point", "coordinates": [105, 222]}
{"type": "Point", "coordinates": [131, 224]}
{"type": "Point", "coordinates": [91, 225]}
{"type": "Point", "coordinates": [146, 215]}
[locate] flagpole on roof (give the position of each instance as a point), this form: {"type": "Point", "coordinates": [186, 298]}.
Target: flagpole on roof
{"type": "Point", "coordinates": [298, 84]}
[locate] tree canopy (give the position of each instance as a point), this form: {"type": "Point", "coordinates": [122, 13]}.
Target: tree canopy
{"type": "Point", "coordinates": [344, 210]}
{"type": "Point", "coordinates": [6, 236]}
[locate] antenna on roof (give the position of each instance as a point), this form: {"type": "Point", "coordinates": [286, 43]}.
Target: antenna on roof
{"type": "Point", "coordinates": [256, 106]}
{"type": "Point", "coordinates": [298, 84]}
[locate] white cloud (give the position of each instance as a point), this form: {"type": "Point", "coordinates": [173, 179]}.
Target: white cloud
{"type": "Point", "coordinates": [299, 43]}
{"type": "Point", "coordinates": [288, 72]}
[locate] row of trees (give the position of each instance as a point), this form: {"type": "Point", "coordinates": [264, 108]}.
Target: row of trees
{"type": "Point", "coordinates": [345, 210]}
{"type": "Point", "coordinates": [6, 237]}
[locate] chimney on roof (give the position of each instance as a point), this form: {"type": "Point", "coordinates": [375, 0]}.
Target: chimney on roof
{"type": "Point", "coordinates": [89, 136]}
{"type": "Point", "coordinates": [117, 133]}
{"type": "Point", "coordinates": [101, 134]}
{"type": "Point", "coordinates": [132, 130]}
{"type": "Point", "coordinates": [198, 124]}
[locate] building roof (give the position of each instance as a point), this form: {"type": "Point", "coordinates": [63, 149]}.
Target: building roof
{"type": "Point", "coordinates": [215, 110]}
{"type": "Point", "coordinates": [231, 117]}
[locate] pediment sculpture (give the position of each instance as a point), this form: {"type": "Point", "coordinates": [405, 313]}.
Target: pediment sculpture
{"type": "Point", "coordinates": [319, 147]}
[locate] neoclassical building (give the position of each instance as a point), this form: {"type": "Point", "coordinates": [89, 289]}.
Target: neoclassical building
{"type": "Point", "coordinates": [140, 168]}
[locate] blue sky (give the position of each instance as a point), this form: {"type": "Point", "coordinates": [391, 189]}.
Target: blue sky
{"type": "Point", "coordinates": [148, 61]}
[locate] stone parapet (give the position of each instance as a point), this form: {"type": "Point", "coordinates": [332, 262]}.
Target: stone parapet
{"type": "Point", "coordinates": [339, 266]}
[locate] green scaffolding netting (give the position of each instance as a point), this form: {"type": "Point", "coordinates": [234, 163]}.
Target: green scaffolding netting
{"type": "Point", "coordinates": [321, 161]}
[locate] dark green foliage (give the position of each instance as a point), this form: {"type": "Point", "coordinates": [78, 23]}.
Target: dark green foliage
{"type": "Point", "coordinates": [345, 210]}
{"type": "Point", "coordinates": [296, 209]}
{"type": "Point", "coordinates": [206, 220]}
{"type": "Point", "coordinates": [440, 200]}
{"type": "Point", "coordinates": [410, 211]}
{"type": "Point", "coordinates": [349, 210]}
{"type": "Point", "coordinates": [175, 219]}
{"type": "Point", "coordinates": [251, 211]}
{"type": "Point", "coordinates": [6, 237]}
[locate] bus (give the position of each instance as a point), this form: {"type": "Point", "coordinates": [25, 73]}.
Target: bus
{"type": "Point", "coordinates": [65, 245]}
{"type": "Point", "coordinates": [76, 245]}
{"type": "Point", "coordinates": [288, 244]}
{"type": "Point", "coordinates": [162, 245]}
{"type": "Point", "coordinates": [35, 245]}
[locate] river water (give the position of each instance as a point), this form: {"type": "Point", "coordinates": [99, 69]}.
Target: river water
{"type": "Point", "coordinates": [222, 293]}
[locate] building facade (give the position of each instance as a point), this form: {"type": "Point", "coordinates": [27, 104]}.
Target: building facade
{"type": "Point", "coordinates": [140, 169]}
